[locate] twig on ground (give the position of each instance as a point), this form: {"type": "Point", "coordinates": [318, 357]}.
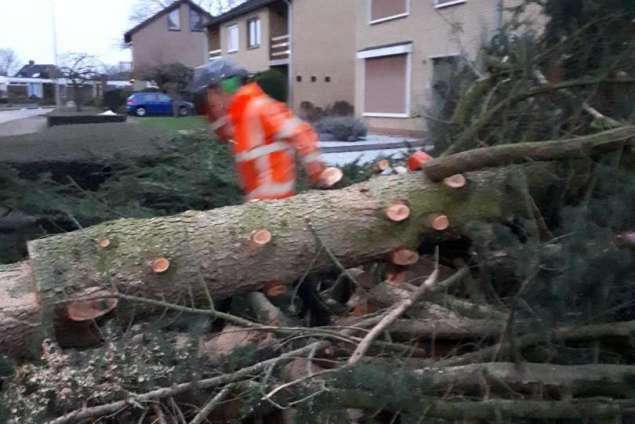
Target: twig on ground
{"type": "Point", "coordinates": [101, 410]}
{"type": "Point", "coordinates": [175, 407]}
{"type": "Point", "coordinates": [614, 329]}
{"type": "Point", "coordinates": [159, 413]}
{"type": "Point", "coordinates": [309, 376]}
{"type": "Point", "coordinates": [209, 407]}
{"type": "Point", "coordinates": [394, 314]}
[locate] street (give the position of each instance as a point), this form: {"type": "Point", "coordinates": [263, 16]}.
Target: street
{"type": "Point", "coordinates": [22, 121]}
{"type": "Point", "coordinates": [13, 115]}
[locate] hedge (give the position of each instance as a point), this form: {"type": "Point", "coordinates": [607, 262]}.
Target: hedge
{"type": "Point", "coordinates": [54, 120]}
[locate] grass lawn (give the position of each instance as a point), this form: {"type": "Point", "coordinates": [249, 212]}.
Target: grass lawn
{"type": "Point", "coordinates": [175, 124]}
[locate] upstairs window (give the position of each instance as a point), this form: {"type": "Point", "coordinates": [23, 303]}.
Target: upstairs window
{"type": "Point", "coordinates": [174, 20]}
{"type": "Point", "coordinates": [385, 10]}
{"type": "Point", "coordinates": [233, 38]}
{"type": "Point", "coordinates": [253, 33]}
{"type": "Point", "coordinates": [196, 21]}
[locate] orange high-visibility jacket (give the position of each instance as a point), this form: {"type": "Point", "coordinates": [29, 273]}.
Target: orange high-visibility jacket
{"type": "Point", "coordinates": [266, 135]}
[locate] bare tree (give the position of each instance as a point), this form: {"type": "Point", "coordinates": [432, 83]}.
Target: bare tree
{"type": "Point", "coordinates": [8, 61]}
{"type": "Point", "coordinates": [78, 69]}
{"type": "Point", "coordinates": [143, 9]}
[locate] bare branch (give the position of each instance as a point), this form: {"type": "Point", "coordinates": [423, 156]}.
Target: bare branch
{"type": "Point", "coordinates": [393, 315]}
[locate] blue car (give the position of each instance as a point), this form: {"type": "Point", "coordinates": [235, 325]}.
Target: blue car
{"type": "Point", "coordinates": [157, 104]}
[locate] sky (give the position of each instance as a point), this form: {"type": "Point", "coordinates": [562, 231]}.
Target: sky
{"type": "Point", "coordinates": [92, 26]}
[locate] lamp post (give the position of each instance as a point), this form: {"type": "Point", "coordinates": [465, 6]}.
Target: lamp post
{"type": "Point", "coordinates": [58, 100]}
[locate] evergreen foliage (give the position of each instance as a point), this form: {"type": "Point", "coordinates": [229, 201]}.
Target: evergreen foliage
{"type": "Point", "coordinates": [559, 262]}
{"type": "Point", "coordinates": [193, 172]}
{"type": "Point", "coordinates": [573, 79]}
{"type": "Point", "coordinates": [527, 86]}
{"type": "Point", "coordinates": [274, 83]}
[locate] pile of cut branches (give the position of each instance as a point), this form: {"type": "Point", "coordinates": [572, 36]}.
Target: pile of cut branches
{"type": "Point", "coordinates": [494, 284]}
{"type": "Point", "coordinates": [454, 297]}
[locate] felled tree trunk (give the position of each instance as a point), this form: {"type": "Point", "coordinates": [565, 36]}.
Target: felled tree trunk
{"type": "Point", "coordinates": [185, 258]}
{"type": "Point", "coordinates": [20, 321]}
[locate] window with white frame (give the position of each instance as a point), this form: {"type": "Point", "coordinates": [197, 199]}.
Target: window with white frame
{"type": "Point", "coordinates": [387, 80]}
{"type": "Point", "coordinates": [253, 33]}
{"type": "Point", "coordinates": [197, 23]}
{"type": "Point", "coordinates": [445, 3]}
{"type": "Point", "coordinates": [385, 10]}
{"type": "Point", "coordinates": [174, 20]}
{"type": "Point", "coordinates": [233, 38]}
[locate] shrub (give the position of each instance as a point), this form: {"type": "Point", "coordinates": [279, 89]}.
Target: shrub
{"type": "Point", "coordinates": [314, 113]}
{"type": "Point", "coordinates": [310, 112]}
{"type": "Point", "coordinates": [341, 128]}
{"type": "Point", "coordinates": [340, 108]}
{"type": "Point", "coordinates": [274, 83]}
{"type": "Point", "coordinates": [115, 100]}
{"type": "Point", "coordinates": [64, 119]}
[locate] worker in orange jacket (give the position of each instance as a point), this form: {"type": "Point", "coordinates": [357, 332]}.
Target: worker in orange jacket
{"type": "Point", "coordinates": [265, 134]}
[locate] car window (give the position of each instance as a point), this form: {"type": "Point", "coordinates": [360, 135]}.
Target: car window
{"type": "Point", "coordinates": [164, 98]}
{"type": "Point", "coordinates": [149, 98]}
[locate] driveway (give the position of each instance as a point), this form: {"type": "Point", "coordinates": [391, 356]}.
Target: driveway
{"type": "Point", "coordinates": [22, 121]}
{"type": "Point", "coordinates": [14, 115]}
{"type": "Point", "coordinates": [375, 147]}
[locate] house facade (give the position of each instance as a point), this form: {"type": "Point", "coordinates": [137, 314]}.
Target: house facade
{"type": "Point", "coordinates": [405, 49]}
{"type": "Point", "coordinates": [311, 42]}
{"type": "Point", "coordinates": [323, 59]}
{"type": "Point", "coordinates": [254, 34]}
{"type": "Point", "coordinates": [176, 34]}
{"type": "Point", "coordinates": [33, 82]}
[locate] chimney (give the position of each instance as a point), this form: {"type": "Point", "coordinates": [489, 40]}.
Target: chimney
{"type": "Point", "coordinates": [31, 62]}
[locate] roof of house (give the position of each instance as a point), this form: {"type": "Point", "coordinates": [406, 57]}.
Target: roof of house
{"type": "Point", "coordinates": [177, 3]}
{"type": "Point", "coordinates": [246, 7]}
{"type": "Point", "coordinates": [34, 70]}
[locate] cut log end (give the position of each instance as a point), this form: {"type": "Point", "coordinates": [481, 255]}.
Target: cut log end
{"type": "Point", "coordinates": [404, 257]}
{"type": "Point", "coordinates": [260, 238]}
{"type": "Point", "coordinates": [274, 289]}
{"type": "Point", "coordinates": [160, 265]}
{"type": "Point", "coordinates": [455, 181]}
{"type": "Point", "coordinates": [330, 177]}
{"type": "Point", "coordinates": [417, 159]}
{"type": "Point", "coordinates": [438, 222]}
{"type": "Point", "coordinates": [381, 166]}
{"type": "Point", "coordinates": [104, 243]}
{"type": "Point", "coordinates": [361, 309]}
{"type": "Point", "coordinates": [396, 278]}
{"type": "Point", "coordinates": [398, 212]}
{"type": "Point", "coordinates": [97, 304]}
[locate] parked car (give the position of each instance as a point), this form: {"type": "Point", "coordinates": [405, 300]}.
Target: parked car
{"type": "Point", "coordinates": [157, 104]}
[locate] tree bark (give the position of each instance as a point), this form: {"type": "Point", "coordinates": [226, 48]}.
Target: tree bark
{"type": "Point", "coordinates": [20, 321]}
{"type": "Point", "coordinates": [210, 252]}
{"type": "Point", "coordinates": [489, 410]}
{"type": "Point", "coordinates": [507, 154]}
{"type": "Point", "coordinates": [446, 329]}
{"type": "Point", "coordinates": [624, 329]}
{"type": "Point", "coordinates": [502, 378]}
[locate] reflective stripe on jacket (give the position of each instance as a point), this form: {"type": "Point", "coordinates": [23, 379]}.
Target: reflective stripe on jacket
{"type": "Point", "coordinates": [266, 134]}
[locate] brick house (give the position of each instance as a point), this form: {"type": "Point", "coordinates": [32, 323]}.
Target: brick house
{"type": "Point", "coordinates": [176, 34]}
